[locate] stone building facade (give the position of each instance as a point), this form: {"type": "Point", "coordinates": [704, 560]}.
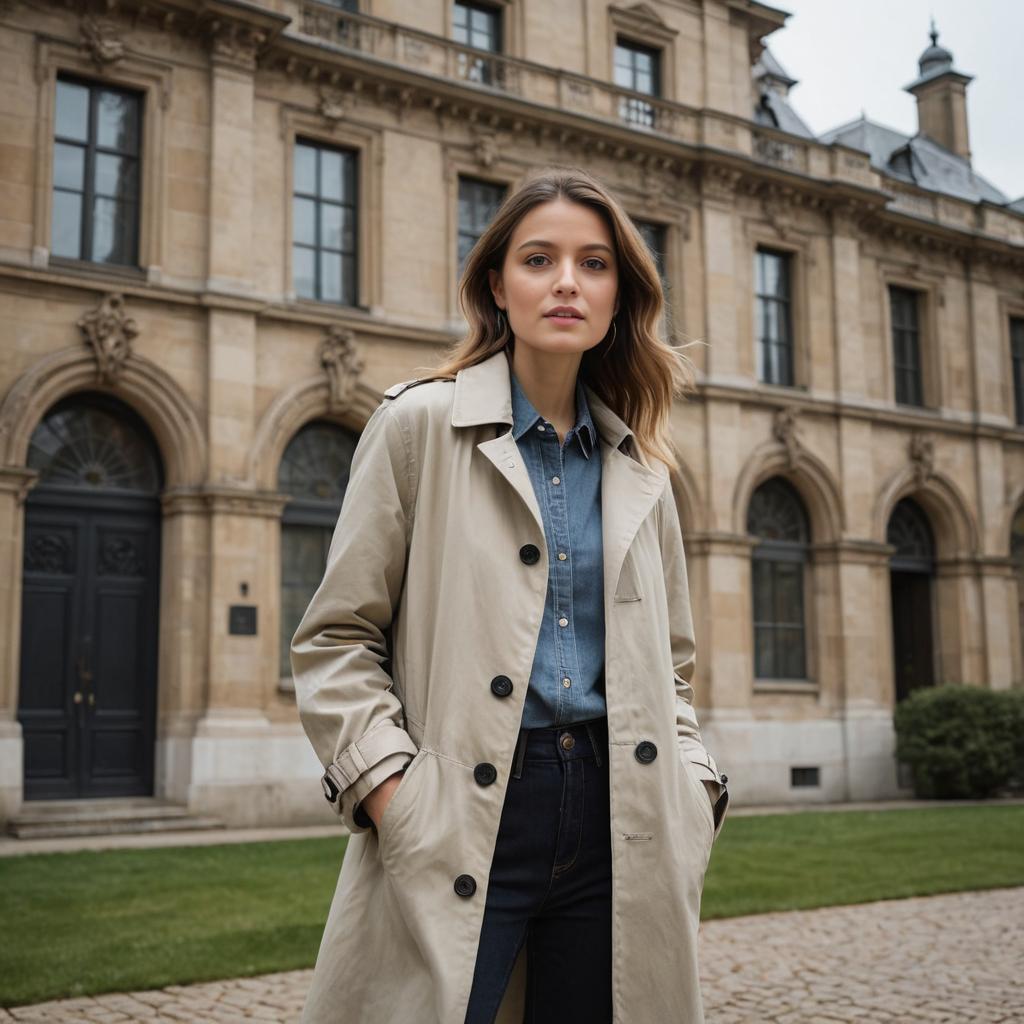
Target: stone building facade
{"type": "Point", "coordinates": [228, 226]}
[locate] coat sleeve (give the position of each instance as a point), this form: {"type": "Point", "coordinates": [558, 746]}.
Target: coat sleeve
{"type": "Point", "coordinates": [345, 701]}
{"type": "Point", "coordinates": [681, 632]}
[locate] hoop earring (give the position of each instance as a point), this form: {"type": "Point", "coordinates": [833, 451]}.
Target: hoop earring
{"type": "Point", "coordinates": [615, 334]}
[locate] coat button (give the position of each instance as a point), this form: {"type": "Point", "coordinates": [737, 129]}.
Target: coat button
{"type": "Point", "coordinates": [725, 778]}
{"type": "Point", "coordinates": [465, 885]}
{"type": "Point", "coordinates": [485, 773]}
{"type": "Point", "coordinates": [567, 740]}
{"type": "Point", "coordinates": [645, 752]}
{"type": "Point", "coordinates": [501, 686]}
{"type": "Point", "coordinates": [529, 553]}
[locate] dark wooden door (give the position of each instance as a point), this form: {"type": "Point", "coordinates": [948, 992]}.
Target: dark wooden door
{"type": "Point", "coordinates": [89, 610]}
{"type": "Point", "coordinates": [912, 631]}
{"type": "Point", "coordinates": [89, 650]}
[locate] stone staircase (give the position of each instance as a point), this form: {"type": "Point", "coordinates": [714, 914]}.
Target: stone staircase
{"type": "Point", "coordinates": [39, 819]}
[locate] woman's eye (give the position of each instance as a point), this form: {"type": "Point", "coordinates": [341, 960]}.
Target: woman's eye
{"type": "Point", "coordinates": [541, 256]}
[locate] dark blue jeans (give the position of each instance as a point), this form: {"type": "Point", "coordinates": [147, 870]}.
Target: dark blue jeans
{"type": "Point", "coordinates": [551, 881]}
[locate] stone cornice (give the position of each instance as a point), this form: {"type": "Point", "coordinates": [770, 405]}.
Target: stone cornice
{"type": "Point", "coordinates": [223, 499]}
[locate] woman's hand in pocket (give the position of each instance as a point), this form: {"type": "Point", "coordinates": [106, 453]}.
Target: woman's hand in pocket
{"type": "Point", "coordinates": [377, 800]}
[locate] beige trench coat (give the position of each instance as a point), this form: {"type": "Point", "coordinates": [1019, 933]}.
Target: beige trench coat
{"type": "Point", "coordinates": [425, 566]}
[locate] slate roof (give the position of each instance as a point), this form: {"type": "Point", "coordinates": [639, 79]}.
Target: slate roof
{"type": "Point", "coordinates": [774, 109]}
{"type": "Point", "coordinates": [916, 159]}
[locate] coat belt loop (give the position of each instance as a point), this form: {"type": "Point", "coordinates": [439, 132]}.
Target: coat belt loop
{"type": "Point", "coordinates": [520, 753]}
{"type": "Point", "coordinates": [593, 742]}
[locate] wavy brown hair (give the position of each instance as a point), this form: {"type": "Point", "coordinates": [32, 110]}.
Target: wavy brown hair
{"type": "Point", "coordinates": [639, 374]}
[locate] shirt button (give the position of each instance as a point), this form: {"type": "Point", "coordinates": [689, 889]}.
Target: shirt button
{"type": "Point", "coordinates": [562, 556]}
{"type": "Point", "coordinates": [567, 682]}
{"type": "Point", "coordinates": [540, 427]}
{"type": "Point", "coordinates": [555, 480]}
{"type": "Point", "coordinates": [563, 621]}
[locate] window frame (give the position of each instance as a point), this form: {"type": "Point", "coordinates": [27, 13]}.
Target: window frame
{"type": "Point", "coordinates": [319, 200]}
{"type": "Point", "coordinates": [928, 290]}
{"type": "Point", "coordinates": [153, 80]}
{"type": "Point", "coordinates": [642, 27]}
{"type": "Point", "coordinates": [462, 177]}
{"type": "Point", "coordinates": [365, 143]}
{"type": "Point", "coordinates": [92, 149]}
{"type": "Point", "coordinates": [1016, 398]}
{"type": "Point", "coordinates": [913, 299]}
{"type": "Point", "coordinates": [772, 552]}
{"type": "Point", "coordinates": [789, 262]}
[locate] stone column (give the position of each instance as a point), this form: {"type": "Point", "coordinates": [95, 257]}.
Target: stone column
{"type": "Point", "coordinates": [15, 483]}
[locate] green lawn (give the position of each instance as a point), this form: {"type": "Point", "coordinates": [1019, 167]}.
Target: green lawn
{"type": "Point", "coordinates": [117, 920]}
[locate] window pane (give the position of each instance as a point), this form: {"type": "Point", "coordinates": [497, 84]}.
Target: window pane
{"type": "Point", "coordinates": [304, 272]}
{"type": "Point", "coordinates": [112, 231]}
{"type": "Point", "coordinates": [66, 236]}
{"type": "Point", "coordinates": [115, 176]}
{"type": "Point", "coordinates": [330, 225]}
{"type": "Point", "coordinates": [115, 121]}
{"type": "Point", "coordinates": [305, 169]}
{"type": "Point", "coordinates": [331, 186]}
{"type": "Point", "coordinates": [761, 586]}
{"type": "Point", "coordinates": [72, 111]}
{"type": "Point", "coordinates": [68, 166]}
{"type": "Point", "coordinates": [788, 592]}
{"type": "Point", "coordinates": [350, 292]}
{"type": "Point", "coordinates": [304, 227]}
{"type": "Point", "coordinates": [330, 276]}
{"type": "Point", "coordinates": [790, 650]}
{"type": "Point", "coordinates": [302, 567]}
{"type": "Point", "coordinates": [764, 652]}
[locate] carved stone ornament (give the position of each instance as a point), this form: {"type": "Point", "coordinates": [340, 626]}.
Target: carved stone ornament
{"type": "Point", "coordinates": [101, 41]}
{"type": "Point", "coordinates": [339, 356]}
{"type": "Point", "coordinates": [335, 104]}
{"type": "Point", "coordinates": [486, 149]}
{"type": "Point", "coordinates": [784, 431]}
{"type": "Point", "coordinates": [922, 456]}
{"type": "Point", "coordinates": [109, 331]}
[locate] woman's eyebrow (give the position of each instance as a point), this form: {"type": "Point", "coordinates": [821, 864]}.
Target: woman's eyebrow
{"type": "Point", "coordinates": [551, 245]}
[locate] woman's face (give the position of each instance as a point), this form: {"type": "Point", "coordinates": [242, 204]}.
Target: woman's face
{"type": "Point", "coordinates": [561, 254]}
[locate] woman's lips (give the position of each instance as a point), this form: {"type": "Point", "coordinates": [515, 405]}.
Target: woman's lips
{"type": "Point", "coordinates": [564, 321]}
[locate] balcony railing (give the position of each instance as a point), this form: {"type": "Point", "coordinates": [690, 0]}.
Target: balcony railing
{"type": "Point", "coordinates": [445, 58]}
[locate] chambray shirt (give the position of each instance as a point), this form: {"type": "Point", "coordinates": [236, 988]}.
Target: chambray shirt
{"type": "Point", "coordinates": [567, 679]}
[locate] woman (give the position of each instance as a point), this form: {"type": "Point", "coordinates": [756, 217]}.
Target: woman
{"type": "Point", "coordinates": [496, 669]}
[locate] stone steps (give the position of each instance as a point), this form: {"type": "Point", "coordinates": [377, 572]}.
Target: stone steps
{"type": "Point", "coordinates": [40, 819]}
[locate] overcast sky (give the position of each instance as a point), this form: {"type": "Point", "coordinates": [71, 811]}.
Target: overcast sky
{"type": "Point", "coordinates": [849, 57]}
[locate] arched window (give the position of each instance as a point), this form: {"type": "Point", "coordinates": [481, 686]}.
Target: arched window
{"type": "Point", "coordinates": [776, 518]}
{"type": "Point", "coordinates": [314, 471]}
{"type": "Point", "coordinates": [910, 533]}
{"type": "Point", "coordinates": [96, 443]}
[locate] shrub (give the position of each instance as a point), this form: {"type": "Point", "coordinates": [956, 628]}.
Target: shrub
{"type": "Point", "coordinates": [961, 742]}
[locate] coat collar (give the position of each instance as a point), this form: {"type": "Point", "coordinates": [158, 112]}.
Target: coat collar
{"type": "Point", "coordinates": [483, 394]}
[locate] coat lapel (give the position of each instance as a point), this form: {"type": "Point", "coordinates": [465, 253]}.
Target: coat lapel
{"type": "Point", "coordinates": [630, 486]}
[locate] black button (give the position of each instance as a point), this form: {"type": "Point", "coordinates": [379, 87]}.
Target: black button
{"type": "Point", "coordinates": [465, 885]}
{"type": "Point", "coordinates": [645, 752]}
{"type": "Point", "coordinates": [529, 553]}
{"type": "Point", "coordinates": [501, 686]}
{"type": "Point", "coordinates": [485, 773]}
{"type": "Point", "coordinates": [725, 778]}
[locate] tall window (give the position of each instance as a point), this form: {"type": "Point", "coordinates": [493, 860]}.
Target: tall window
{"type": "Point", "coordinates": [774, 315]}
{"type": "Point", "coordinates": [1017, 559]}
{"type": "Point", "coordinates": [637, 68]}
{"type": "Point", "coordinates": [478, 202]}
{"type": "Point", "coordinates": [776, 517]}
{"type": "Point", "coordinates": [1017, 358]}
{"type": "Point", "coordinates": [654, 236]}
{"type": "Point", "coordinates": [314, 471]}
{"type": "Point", "coordinates": [96, 173]}
{"type": "Point", "coordinates": [324, 224]}
{"type": "Point", "coordinates": [479, 26]}
{"type": "Point", "coordinates": [906, 345]}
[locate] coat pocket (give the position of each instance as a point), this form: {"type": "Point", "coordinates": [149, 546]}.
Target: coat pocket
{"type": "Point", "coordinates": [395, 807]}
{"type": "Point", "coordinates": [704, 797]}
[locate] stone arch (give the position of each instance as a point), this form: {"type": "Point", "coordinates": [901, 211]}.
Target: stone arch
{"type": "Point", "coordinates": [141, 384]}
{"type": "Point", "coordinates": [956, 534]}
{"type": "Point", "coordinates": [688, 501]}
{"type": "Point", "coordinates": [293, 409]}
{"type": "Point", "coordinates": [807, 473]}
{"type": "Point", "coordinates": [1014, 506]}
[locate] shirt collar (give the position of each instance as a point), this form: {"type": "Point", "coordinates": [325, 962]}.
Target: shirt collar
{"type": "Point", "coordinates": [525, 416]}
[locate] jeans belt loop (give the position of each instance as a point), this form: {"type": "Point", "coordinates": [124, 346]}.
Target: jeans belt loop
{"type": "Point", "coordinates": [520, 753]}
{"type": "Point", "coordinates": [593, 742]}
